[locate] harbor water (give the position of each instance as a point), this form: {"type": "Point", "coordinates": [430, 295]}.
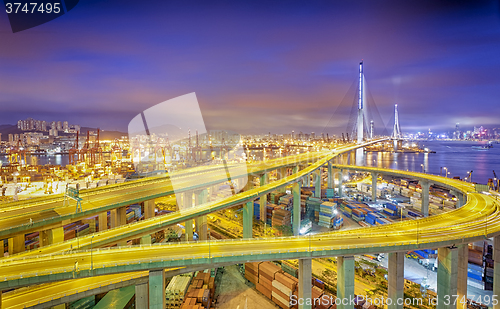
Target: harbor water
{"type": "Point", "coordinates": [456, 157]}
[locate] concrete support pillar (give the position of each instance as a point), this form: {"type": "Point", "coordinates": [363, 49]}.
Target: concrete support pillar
{"type": "Point", "coordinates": [141, 296]}
{"type": "Point", "coordinates": [425, 197]}
{"type": "Point", "coordinates": [118, 217]}
{"type": "Point", "coordinates": [146, 240]}
{"type": "Point", "coordinates": [446, 275]}
{"type": "Point", "coordinates": [52, 236]}
{"type": "Point", "coordinates": [103, 221]}
{"type": "Point", "coordinates": [149, 209]}
{"type": "Point", "coordinates": [157, 289]}
{"type": "Point", "coordinates": [305, 282]}
{"type": "Point", "coordinates": [460, 199]}
{"type": "Point", "coordinates": [307, 180]}
{"type": "Point", "coordinates": [214, 188]}
{"type": "Point", "coordinates": [187, 202]}
{"type": "Point", "coordinates": [248, 219]}
{"type": "Point", "coordinates": [121, 216]}
{"type": "Point", "coordinates": [16, 244]}
{"type": "Point", "coordinates": [202, 227]}
{"type": "Point", "coordinates": [250, 183]}
{"type": "Point", "coordinates": [317, 183]}
{"type": "Point", "coordinates": [281, 175]}
{"type": "Point", "coordinates": [360, 156]}
{"type": "Point", "coordinates": [113, 220]}
{"type": "Point", "coordinates": [264, 180]}
{"type": "Point", "coordinates": [330, 182]}
{"type": "Point", "coordinates": [296, 208]}
{"type": "Point", "coordinates": [43, 238]}
{"type": "Point", "coordinates": [463, 260]}
{"type": "Point", "coordinates": [345, 280]}
{"type": "Point", "coordinates": [201, 222]}
{"type": "Point", "coordinates": [496, 268]}
{"type": "Point", "coordinates": [395, 279]}
{"type": "Point", "coordinates": [374, 186]}
{"type": "Point", "coordinates": [341, 179]}
{"type": "Point", "coordinates": [188, 230]}
{"type": "Point", "coordinates": [352, 157]}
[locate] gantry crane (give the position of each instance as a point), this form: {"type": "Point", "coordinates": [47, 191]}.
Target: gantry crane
{"type": "Point", "coordinates": [73, 152]}
{"type": "Point", "coordinates": [96, 151]}
{"type": "Point", "coordinates": [16, 153]}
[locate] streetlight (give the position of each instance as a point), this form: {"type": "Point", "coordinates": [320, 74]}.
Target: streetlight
{"type": "Point", "coordinates": [446, 174]}
{"type": "Point", "coordinates": [423, 168]}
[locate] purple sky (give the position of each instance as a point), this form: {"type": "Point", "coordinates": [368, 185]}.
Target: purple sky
{"type": "Point", "coordinates": [257, 66]}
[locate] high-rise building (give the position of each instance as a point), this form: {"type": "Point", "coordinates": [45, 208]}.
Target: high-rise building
{"type": "Point", "coordinates": [53, 132]}
{"type": "Point", "coordinates": [59, 126]}
{"type": "Point", "coordinates": [65, 126]}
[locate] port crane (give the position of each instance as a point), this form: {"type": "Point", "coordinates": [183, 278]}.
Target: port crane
{"type": "Point", "coordinates": [73, 152]}
{"type": "Point", "coordinates": [96, 151]}
{"type": "Point", "coordinates": [16, 153]}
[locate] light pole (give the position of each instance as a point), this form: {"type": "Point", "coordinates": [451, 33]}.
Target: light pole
{"type": "Point", "coordinates": [423, 168]}
{"type": "Point", "coordinates": [446, 172]}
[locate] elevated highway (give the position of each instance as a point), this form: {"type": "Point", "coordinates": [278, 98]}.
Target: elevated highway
{"type": "Point", "coordinates": [149, 226]}
{"type": "Point", "coordinates": [462, 225]}
{"type": "Point", "coordinates": [50, 212]}
{"type": "Point", "coordinates": [477, 219]}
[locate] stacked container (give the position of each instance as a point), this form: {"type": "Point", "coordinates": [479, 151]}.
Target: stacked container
{"type": "Point", "coordinates": [281, 217]}
{"type": "Point", "coordinates": [282, 290]}
{"type": "Point", "coordinates": [267, 272]}
{"type": "Point", "coordinates": [289, 269]}
{"type": "Point", "coordinates": [201, 292]}
{"type": "Point", "coordinates": [256, 209]}
{"type": "Point", "coordinates": [176, 290]}
{"type": "Point", "coordinates": [252, 272]}
{"type": "Point", "coordinates": [326, 214]}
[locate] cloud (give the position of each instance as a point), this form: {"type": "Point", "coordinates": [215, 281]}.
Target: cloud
{"type": "Point", "coordinates": [256, 67]}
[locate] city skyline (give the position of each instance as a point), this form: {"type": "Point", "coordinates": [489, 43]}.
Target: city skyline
{"type": "Point", "coordinates": [289, 71]}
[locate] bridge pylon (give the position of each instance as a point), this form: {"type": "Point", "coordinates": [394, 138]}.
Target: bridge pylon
{"type": "Point", "coordinates": [396, 130]}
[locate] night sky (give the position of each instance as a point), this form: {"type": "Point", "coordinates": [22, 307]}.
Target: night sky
{"type": "Point", "coordinates": [257, 66]}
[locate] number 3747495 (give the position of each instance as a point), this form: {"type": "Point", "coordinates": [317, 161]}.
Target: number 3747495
{"type": "Point", "coordinates": [32, 8]}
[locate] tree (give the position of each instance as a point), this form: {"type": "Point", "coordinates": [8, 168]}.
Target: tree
{"type": "Point", "coordinates": [285, 230]}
